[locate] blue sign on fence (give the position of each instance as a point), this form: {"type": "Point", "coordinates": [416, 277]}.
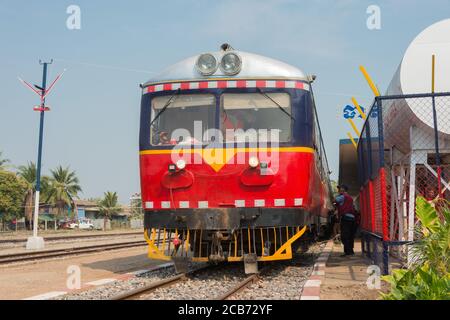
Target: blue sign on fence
{"type": "Point", "coordinates": [374, 112]}
{"type": "Point", "coordinates": [350, 112]}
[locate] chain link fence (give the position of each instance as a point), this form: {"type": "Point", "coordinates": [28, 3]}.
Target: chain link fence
{"type": "Point", "coordinates": [403, 152]}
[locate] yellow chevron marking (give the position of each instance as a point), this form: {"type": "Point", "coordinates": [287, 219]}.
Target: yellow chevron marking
{"type": "Point", "coordinates": [218, 157]}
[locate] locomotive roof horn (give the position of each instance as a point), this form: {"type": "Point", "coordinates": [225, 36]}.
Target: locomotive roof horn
{"type": "Point", "coordinates": [226, 47]}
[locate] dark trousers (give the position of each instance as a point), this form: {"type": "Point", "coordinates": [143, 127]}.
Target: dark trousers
{"type": "Point", "coordinates": [348, 228]}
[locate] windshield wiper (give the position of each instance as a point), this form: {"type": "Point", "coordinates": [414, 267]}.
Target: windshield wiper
{"type": "Point", "coordinates": [278, 105]}
{"type": "Point", "coordinates": [168, 103]}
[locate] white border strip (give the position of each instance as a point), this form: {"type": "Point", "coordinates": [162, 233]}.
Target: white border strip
{"type": "Point", "coordinates": [318, 275]}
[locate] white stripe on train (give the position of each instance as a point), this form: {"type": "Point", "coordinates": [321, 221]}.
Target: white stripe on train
{"type": "Point", "coordinates": [258, 203]}
{"type": "Point", "coordinates": [227, 84]}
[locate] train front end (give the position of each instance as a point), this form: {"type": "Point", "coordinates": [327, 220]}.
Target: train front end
{"type": "Point", "coordinates": [229, 164]}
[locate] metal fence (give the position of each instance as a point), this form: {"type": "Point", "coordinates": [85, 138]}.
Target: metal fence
{"type": "Point", "coordinates": [403, 152]}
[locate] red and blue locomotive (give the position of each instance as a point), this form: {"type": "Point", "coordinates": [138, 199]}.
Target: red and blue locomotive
{"type": "Point", "coordinates": [232, 163]}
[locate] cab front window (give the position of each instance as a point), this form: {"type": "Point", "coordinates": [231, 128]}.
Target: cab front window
{"type": "Point", "coordinates": [174, 117]}
{"type": "Point", "coordinates": [259, 114]}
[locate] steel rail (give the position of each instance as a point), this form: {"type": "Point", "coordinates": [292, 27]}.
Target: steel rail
{"type": "Point", "coordinates": [135, 293]}
{"type": "Point", "coordinates": [27, 256]}
{"type": "Point", "coordinates": [71, 237]}
{"type": "Point", "coordinates": [239, 287]}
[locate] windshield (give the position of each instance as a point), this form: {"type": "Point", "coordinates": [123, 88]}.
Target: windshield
{"type": "Point", "coordinates": [176, 124]}
{"type": "Point", "coordinates": [247, 111]}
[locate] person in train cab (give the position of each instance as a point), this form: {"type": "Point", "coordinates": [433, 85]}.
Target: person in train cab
{"type": "Point", "coordinates": [347, 218]}
{"type": "Point", "coordinates": [250, 121]}
{"type": "Point", "coordinates": [164, 139]}
{"type": "Point", "coordinates": [231, 121]}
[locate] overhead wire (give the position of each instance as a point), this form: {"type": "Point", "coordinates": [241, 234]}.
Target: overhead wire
{"type": "Point", "coordinates": [103, 66]}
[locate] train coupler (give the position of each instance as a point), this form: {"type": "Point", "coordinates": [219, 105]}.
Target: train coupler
{"type": "Point", "coordinates": [217, 258]}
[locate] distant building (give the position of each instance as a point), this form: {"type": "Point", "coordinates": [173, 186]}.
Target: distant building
{"type": "Point", "coordinates": [86, 209]}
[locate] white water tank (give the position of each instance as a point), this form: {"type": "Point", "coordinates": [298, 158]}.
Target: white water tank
{"type": "Point", "coordinates": [414, 76]}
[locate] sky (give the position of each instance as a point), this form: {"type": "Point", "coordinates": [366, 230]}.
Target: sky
{"type": "Point", "coordinates": [93, 124]}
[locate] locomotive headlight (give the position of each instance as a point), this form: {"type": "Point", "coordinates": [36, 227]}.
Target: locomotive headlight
{"type": "Point", "coordinates": [206, 64]}
{"type": "Point", "coordinates": [181, 164]}
{"type": "Point", "coordinates": [253, 162]}
{"type": "Point", "coordinates": [231, 63]}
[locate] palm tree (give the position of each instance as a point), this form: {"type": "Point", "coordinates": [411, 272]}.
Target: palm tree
{"type": "Point", "coordinates": [108, 206]}
{"type": "Point", "coordinates": [28, 174]}
{"type": "Point", "coordinates": [3, 161]}
{"type": "Point", "coordinates": [63, 188]}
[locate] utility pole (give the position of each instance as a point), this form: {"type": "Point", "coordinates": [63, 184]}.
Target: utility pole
{"type": "Point", "coordinates": [35, 242]}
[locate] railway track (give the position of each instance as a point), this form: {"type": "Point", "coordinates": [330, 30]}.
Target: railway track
{"type": "Point", "coordinates": [73, 237]}
{"type": "Point", "coordinates": [240, 286]}
{"type": "Point", "coordinates": [166, 282]}
{"type": "Point", "coordinates": [178, 279]}
{"type": "Point", "coordinates": [137, 293]}
{"type": "Point", "coordinates": [39, 255]}
{"type": "Point", "coordinates": [281, 280]}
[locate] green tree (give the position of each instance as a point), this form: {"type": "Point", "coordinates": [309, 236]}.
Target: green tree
{"type": "Point", "coordinates": [109, 205]}
{"type": "Point", "coordinates": [28, 174]}
{"type": "Point", "coordinates": [3, 161]}
{"type": "Point", "coordinates": [428, 278]}
{"type": "Point", "coordinates": [12, 191]}
{"type": "Point", "coordinates": [63, 189]}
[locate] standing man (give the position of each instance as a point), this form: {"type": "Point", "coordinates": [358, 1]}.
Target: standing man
{"type": "Point", "coordinates": [347, 218]}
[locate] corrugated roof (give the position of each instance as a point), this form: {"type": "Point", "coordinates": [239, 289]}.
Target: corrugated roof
{"type": "Point", "coordinates": [85, 203]}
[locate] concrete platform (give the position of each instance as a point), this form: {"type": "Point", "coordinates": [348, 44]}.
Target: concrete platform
{"type": "Point", "coordinates": [345, 278]}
